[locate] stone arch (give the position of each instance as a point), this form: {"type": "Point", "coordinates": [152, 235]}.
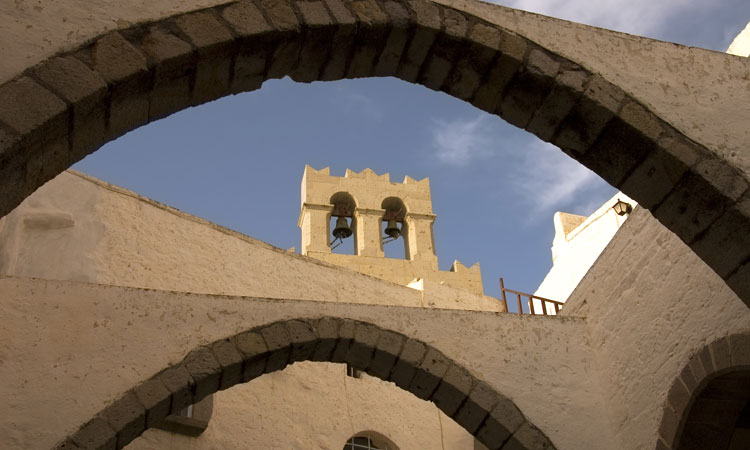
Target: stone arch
{"type": "Point", "coordinates": [64, 108]}
{"type": "Point", "coordinates": [717, 376]}
{"type": "Point", "coordinates": [412, 365]}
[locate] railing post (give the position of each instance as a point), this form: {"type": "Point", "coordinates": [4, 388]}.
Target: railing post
{"type": "Point", "coordinates": [502, 292]}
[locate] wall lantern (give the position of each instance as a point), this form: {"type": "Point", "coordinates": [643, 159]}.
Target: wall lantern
{"type": "Point", "coordinates": [622, 208]}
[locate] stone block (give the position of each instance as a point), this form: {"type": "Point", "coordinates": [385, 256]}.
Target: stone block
{"type": "Point", "coordinates": [214, 45]}
{"type": "Point", "coordinates": [427, 24]}
{"type": "Point", "coordinates": [279, 345]}
{"type": "Point", "coordinates": [395, 44]}
{"type": "Point", "coordinates": [660, 172]}
{"type": "Point", "coordinates": [482, 399]}
{"type": "Point", "coordinates": [280, 14]}
{"type": "Point", "coordinates": [725, 245]}
{"type": "Point", "coordinates": [528, 437]}
{"type": "Point", "coordinates": [256, 45]}
{"type": "Point", "coordinates": [127, 113]}
{"type": "Point", "coordinates": [96, 434]}
{"type": "Point", "coordinates": [739, 282]}
{"type": "Point", "coordinates": [565, 93]}
{"type": "Point", "coordinates": [670, 422]}
{"type": "Point", "coordinates": [688, 378]}
{"type": "Point", "coordinates": [691, 207]}
{"type": "Point", "coordinates": [697, 367]}
{"type": "Point", "coordinates": [599, 103]}
{"type": "Point", "coordinates": [251, 344]}
{"type": "Point", "coordinates": [171, 60]}
{"type": "Point", "coordinates": [9, 144]}
{"type": "Point", "coordinates": [327, 330]}
{"type": "Point", "coordinates": [119, 63]}
{"type": "Point", "coordinates": [721, 354]}
{"type": "Point", "coordinates": [469, 71]}
{"type": "Point", "coordinates": [363, 345]}
{"type": "Point", "coordinates": [371, 36]}
{"type": "Point", "coordinates": [32, 111]}
{"type": "Point", "coordinates": [14, 188]}
{"type": "Point", "coordinates": [513, 49]}
{"type": "Point", "coordinates": [343, 41]}
{"type": "Point", "coordinates": [231, 360]}
{"type": "Point", "coordinates": [453, 389]}
{"type": "Point", "coordinates": [678, 396]}
{"type": "Point", "coordinates": [529, 87]}
{"type": "Point", "coordinates": [72, 81]}
{"type": "Point", "coordinates": [127, 417]}
{"type": "Point", "coordinates": [303, 338]}
{"type": "Point", "coordinates": [155, 398]}
{"type": "Point", "coordinates": [246, 20]}
{"type": "Point", "coordinates": [446, 52]}
{"type": "Point", "coordinates": [740, 349]}
{"type": "Point", "coordinates": [180, 384]}
{"type": "Point", "coordinates": [429, 373]}
{"type": "Point", "coordinates": [618, 151]}
{"type": "Point", "coordinates": [205, 371]}
{"type": "Point", "coordinates": [406, 367]}
{"type": "Point", "coordinates": [318, 34]}
{"type": "Point", "coordinates": [48, 160]}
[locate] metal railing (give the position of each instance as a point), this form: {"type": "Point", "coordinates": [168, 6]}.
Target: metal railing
{"type": "Point", "coordinates": [529, 300]}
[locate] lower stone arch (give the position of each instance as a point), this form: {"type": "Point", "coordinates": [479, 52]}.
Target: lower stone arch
{"type": "Point", "coordinates": [414, 366]}
{"type": "Point", "coordinates": [706, 402]}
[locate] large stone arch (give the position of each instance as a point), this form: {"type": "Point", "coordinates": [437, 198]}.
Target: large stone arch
{"type": "Point", "coordinates": [58, 111]}
{"type": "Point", "coordinates": [707, 398]}
{"type": "Point", "coordinates": [412, 365]}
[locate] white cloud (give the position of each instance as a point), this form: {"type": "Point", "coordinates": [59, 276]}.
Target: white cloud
{"type": "Point", "coordinates": [461, 141]}
{"type": "Point", "coordinates": [550, 180]}
{"type": "Point", "coordinates": [641, 17]}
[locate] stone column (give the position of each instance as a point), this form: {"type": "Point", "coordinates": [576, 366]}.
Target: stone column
{"type": "Point", "coordinates": [313, 221]}
{"type": "Point", "coordinates": [420, 240]}
{"type": "Point", "coordinates": [369, 235]}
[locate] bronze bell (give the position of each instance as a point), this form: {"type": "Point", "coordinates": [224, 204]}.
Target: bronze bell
{"type": "Point", "coordinates": [342, 230]}
{"type": "Point", "coordinates": [392, 229]}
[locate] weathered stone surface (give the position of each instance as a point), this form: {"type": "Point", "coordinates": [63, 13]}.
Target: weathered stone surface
{"type": "Point", "coordinates": [96, 434]}
{"type": "Point", "coordinates": [303, 339]}
{"type": "Point", "coordinates": [599, 103]}
{"type": "Point", "coordinates": [73, 81]}
{"type": "Point", "coordinates": [318, 34]}
{"type": "Point", "coordinates": [566, 90]}
{"type": "Point", "coordinates": [669, 424]}
{"type": "Point", "coordinates": [678, 396]}
{"type": "Point", "coordinates": [118, 62]}
{"type": "Point", "coordinates": [363, 346]}
{"type": "Point", "coordinates": [127, 417]}
{"type": "Point", "coordinates": [513, 49]}
{"type": "Point", "coordinates": [740, 349]}
{"type": "Point", "coordinates": [395, 46]}
{"type": "Point", "coordinates": [205, 371]}
{"type": "Point", "coordinates": [327, 330]}
{"type": "Point", "coordinates": [429, 373]}
{"type": "Point", "coordinates": [179, 382]}
{"type": "Point", "coordinates": [214, 44]}
{"type": "Point", "coordinates": [405, 369]}
{"type": "Point", "coordinates": [453, 389]}
{"type": "Point", "coordinates": [67, 444]}
{"type": "Point", "coordinates": [482, 399]}
{"type": "Point", "coordinates": [246, 19]}
{"type": "Point", "coordinates": [726, 243]}
{"type": "Point", "coordinates": [427, 25]}
{"type": "Point", "coordinates": [230, 359]}
{"type": "Point", "coordinates": [155, 397]}
{"type": "Point", "coordinates": [373, 29]}
{"type": "Point", "coordinates": [528, 437]}
{"type": "Point", "coordinates": [47, 158]}
{"type": "Point", "coordinates": [280, 14]}
{"type": "Point", "coordinates": [688, 378]}
{"type": "Point", "coordinates": [279, 345]}
{"type": "Point", "coordinates": [739, 282]}
{"type": "Point", "coordinates": [720, 354]}
{"type": "Point", "coordinates": [529, 87]}
{"type": "Point", "coordinates": [25, 106]}
{"type": "Point", "coordinates": [448, 49]}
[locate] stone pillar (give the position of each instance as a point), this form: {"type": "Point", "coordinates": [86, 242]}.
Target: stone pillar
{"type": "Point", "coordinates": [369, 235]}
{"type": "Point", "coordinates": [420, 240]}
{"type": "Point", "coordinates": [313, 221]}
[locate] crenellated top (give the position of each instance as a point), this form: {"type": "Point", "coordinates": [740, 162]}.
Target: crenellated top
{"type": "Point", "coordinates": [368, 189]}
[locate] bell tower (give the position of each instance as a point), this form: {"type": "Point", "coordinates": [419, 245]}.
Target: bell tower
{"type": "Point", "coordinates": [374, 212]}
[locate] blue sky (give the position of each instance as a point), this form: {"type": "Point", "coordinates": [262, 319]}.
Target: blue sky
{"type": "Point", "coordinates": [238, 161]}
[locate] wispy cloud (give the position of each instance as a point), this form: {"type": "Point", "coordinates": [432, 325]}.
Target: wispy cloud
{"type": "Point", "coordinates": [550, 180]}
{"type": "Point", "coordinates": [461, 141]}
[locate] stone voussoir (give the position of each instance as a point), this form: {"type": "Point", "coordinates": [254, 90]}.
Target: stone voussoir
{"type": "Point", "coordinates": [303, 339]}
{"type": "Point", "coordinates": [529, 87]}
{"type": "Point", "coordinates": [326, 329]}
{"type": "Point", "coordinates": [427, 25]}
{"type": "Point", "coordinates": [566, 90]}
{"type": "Point", "coordinates": [180, 384]}
{"type": "Point", "coordinates": [279, 345]}
{"type": "Point", "coordinates": [373, 28]}
{"type": "Point", "coordinates": [362, 348]}
{"type": "Point", "coordinates": [406, 366]}
{"type": "Point", "coordinates": [155, 398]}
{"type": "Point", "coordinates": [599, 103]}
{"type": "Point", "coordinates": [482, 399]}
{"type": "Point", "coordinates": [513, 49]}
{"type": "Point", "coordinates": [205, 371]}
{"type": "Point", "coordinates": [453, 390]}
{"type": "Point", "coordinates": [127, 417]}
{"type": "Point", "coordinates": [429, 373]}
{"type": "Point", "coordinates": [318, 34]}
{"type": "Point", "coordinates": [96, 434]}
{"type": "Point", "coordinates": [528, 437]}
{"type": "Point", "coordinates": [231, 360]}
{"type": "Point", "coordinates": [252, 345]}
{"type": "Point", "coordinates": [739, 344]}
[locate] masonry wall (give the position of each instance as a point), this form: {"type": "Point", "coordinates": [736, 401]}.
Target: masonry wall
{"type": "Point", "coordinates": [650, 303]}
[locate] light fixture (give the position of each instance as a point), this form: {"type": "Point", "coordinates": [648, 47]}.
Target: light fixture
{"type": "Point", "coordinates": [622, 208]}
